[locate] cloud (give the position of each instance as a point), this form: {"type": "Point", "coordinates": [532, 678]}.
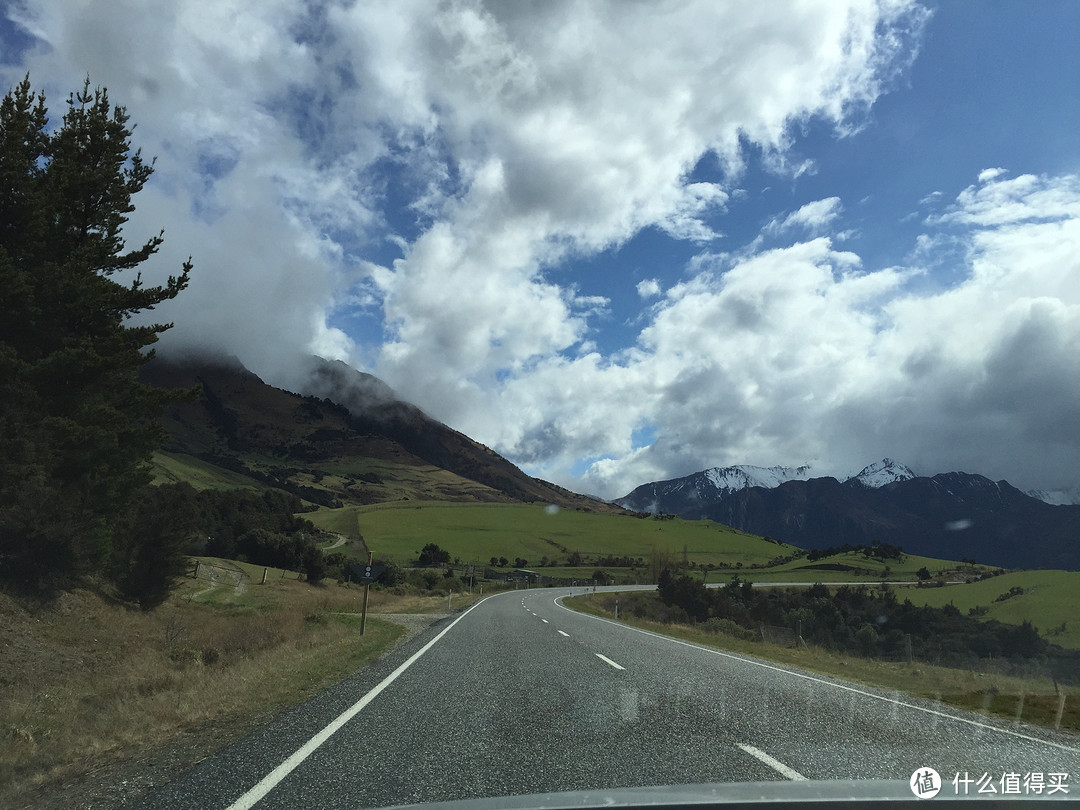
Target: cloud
{"type": "Point", "coordinates": [801, 354]}
{"type": "Point", "coordinates": [814, 217]}
{"type": "Point", "coordinates": [649, 288]}
{"type": "Point", "coordinates": [436, 170]}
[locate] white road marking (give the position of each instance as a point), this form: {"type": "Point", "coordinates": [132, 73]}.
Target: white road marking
{"type": "Point", "coordinates": [763, 665]}
{"type": "Point", "coordinates": [561, 633]}
{"type": "Point", "coordinates": [607, 660]}
{"type": "Point", "coordinates": [545, 621]}
{"type": "Point", "coordinates": [270, 781]}
{"type": "Point", "coordinates": [775, 764]}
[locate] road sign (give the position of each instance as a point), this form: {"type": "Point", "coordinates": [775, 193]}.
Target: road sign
{"type": "Point", "coordinates": [365, 574]}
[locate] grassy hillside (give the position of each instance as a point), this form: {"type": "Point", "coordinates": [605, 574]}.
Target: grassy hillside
{"type": "Point", "coordinates": [480, 531]}
{"type": "Point", "coordinates": [1048, 599]}
{"type": "Point", "coordinates": [360, 447]}
{"type": "Point", "coordinates": [177, 468]}
{"type": "Point", "coordinates": [855, 565]}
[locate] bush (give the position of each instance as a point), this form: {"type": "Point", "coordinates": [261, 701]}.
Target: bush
{"type": "Point", "coordinates": [729, 628]}
{"type": "Point", "coordinates": [431, 554]}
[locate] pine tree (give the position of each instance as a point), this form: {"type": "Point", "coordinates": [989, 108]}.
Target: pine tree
{"type": "Point", "coordinates": [77, 428]}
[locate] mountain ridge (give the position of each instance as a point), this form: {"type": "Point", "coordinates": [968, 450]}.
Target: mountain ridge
{"type": "Point", "coordinates": [346, 439]}
{"type": "Point", "coordinates": [953, 515]}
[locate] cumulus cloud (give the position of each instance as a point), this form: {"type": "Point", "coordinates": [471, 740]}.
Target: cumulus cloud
{"type": "Point", "coordinates": [801, 353]}
{"type": "Point", "coordinates": [435, 168]}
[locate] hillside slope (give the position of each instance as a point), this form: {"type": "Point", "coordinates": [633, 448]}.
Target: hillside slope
{"type": "Point", "coordinates": [348, 442]}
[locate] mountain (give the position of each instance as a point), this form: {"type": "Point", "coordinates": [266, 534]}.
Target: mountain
{"type": "Point", "coordinates": [347, 440]}
{"type": "Point", "coordinates": [688, 494]}
{"type": "Point", "coordinates": [1057, 497]}
{"type": "Point", "coordinates": [882, 472]}
{"type": "Point", "coordinates": [952, 515]}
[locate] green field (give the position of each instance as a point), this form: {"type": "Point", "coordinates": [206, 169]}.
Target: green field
{"type": "Point", "coordinates": [477, 532]}
{"type": "Point", "coordinates": [1049, 598]}
{"type": "Point", "coordinates": [853, 566]}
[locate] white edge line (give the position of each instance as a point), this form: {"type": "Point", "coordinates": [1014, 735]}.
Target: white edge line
{"type": "Point", "coordinates": [763, 665]}
{"type": "Point", "coordinates": [607, 660]}
{"type": "Point", "coordinates": [270, 781]}
{"type": "Point", "coordinates": [775, 764]}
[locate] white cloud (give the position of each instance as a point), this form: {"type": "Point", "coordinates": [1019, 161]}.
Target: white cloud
{"type": "Point", "coordinates": [649, 288]}
{"type": "Point", "coordinates": [800, 354]}
{"type": "Point", "coordinates": [525, 135]}
{"type": "Point", "coordinates": [814, 217]}
{"type": "Point", "coordinates": [986, 175]}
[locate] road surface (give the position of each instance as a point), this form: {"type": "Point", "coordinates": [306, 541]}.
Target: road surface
{"type": "Point", "coordinates": [520, 695]}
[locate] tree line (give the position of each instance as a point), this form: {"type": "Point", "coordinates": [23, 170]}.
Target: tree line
{"type": "Point", "coordinates": [863, 621]}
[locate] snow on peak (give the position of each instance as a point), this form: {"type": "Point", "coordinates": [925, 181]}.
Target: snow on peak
{"type": "Point", "coordinates": [742, 476]}
{"type": "Point", "coordinates": [881, 473]}
{"type": "Point", "coordinates": [1057, 497]}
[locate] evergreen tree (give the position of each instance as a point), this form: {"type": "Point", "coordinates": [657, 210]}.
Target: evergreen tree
{"type": "Point", "coordinates": [77, 428]}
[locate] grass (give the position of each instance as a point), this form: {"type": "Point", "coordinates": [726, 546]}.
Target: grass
{"type": "Point", "coordinates": [87, 682]}
{"type": "Point", "coordinates": [1031, 700]}
{"type": "Point", "coordinates": [176, 468]}
{"type": "Point", "coordinates": [341, 521]}
{"type": "Point", "coordinates": [477, 532]}
{"type": "Point", "coordinates": [853, 566]}
{"type": "Point", "coordinates": [1049, 599]}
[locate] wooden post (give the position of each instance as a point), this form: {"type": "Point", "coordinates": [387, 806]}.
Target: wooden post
{"type": "Point", "coordinates": [363, 612]}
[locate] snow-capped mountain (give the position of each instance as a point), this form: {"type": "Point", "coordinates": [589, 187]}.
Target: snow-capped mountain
{"type": "Point", "coordinates": [953, 515]}
{"type": "Point", "coordinates": [882, 472]}
{"type": "Point", "coordinates": [746, 475]}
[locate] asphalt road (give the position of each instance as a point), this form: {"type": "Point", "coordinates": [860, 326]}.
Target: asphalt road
{"type": "Point", "coordinates": [520, 695]}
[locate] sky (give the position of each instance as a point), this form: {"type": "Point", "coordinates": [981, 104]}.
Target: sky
{"type": "Point", "coordinates": [620, 242]}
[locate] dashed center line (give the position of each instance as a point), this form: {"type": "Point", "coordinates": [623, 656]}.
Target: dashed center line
{"type": "Point", "coordinates": [545, 621]}
{"type": "Point", "coordinates": [775, 764]}
{"type": "Point", "coordinates": [561, 633]}
{"type": "Point", "coordinates": [607, 660]}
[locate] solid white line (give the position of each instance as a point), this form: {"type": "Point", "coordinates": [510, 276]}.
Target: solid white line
{"type": "Point", "coordinates": [561, 633]}
{"type": "Point", "coordinates": [763, 665]}
{"type": "Point", "coordinates": [270, 781]}
{"type": "Point", "coordinates": [775, 764]}
{"type": "Point", "coordinates": [607, 660]}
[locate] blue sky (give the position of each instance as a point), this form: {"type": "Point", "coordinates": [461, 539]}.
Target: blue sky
{"type": "Point", "coordinates": [620, 244]}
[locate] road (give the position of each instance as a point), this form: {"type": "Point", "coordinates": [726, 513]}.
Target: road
{"type": "Point", "coordinates": [521, 695]}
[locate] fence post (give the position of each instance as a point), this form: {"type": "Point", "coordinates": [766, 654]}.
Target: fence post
{"type": "Point", "coordinates": [1060, 712]}
{"type": "Point", "coordinates": [907, 647]}
{"type": "Point", "coordinates": [197, 564]}
{"type": "Point", "coordinates": [264, 577]}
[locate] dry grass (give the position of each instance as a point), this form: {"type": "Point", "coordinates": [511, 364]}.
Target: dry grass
{"type": "Point", "coordinates": [87, 682]}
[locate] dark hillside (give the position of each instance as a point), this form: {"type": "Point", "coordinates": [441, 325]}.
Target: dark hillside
{"type": "Point", "coordinates": [348, 441]}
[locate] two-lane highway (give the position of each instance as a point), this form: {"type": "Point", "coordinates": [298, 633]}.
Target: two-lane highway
{"type": "Point", "coordinates": [521, 695]}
